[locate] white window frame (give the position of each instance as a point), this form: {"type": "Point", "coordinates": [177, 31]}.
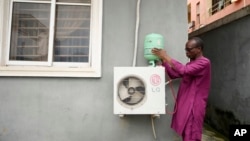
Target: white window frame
{"type": "Point", "coordinates": [91, 70]}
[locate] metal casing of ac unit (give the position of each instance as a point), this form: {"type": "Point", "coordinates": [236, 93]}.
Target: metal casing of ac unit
{"type": "Point", "coordinates": [153, 79]}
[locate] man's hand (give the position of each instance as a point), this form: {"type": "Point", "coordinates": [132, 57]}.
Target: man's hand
{"type": "Point", "coordinates": [162, 54]}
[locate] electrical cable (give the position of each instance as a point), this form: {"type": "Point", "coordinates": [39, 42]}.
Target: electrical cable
{"type": "Point", "coordinates": [153, 127]}
{"type": "Point", "coordinates": [173, 95]}
{"type": "Point", "coordinates": [136, 31]}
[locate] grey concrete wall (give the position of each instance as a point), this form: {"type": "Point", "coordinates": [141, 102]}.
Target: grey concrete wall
{"type": "Point", "coordinates": [81, 109]}
{"type": "Point", "coordinates": [228, 49]}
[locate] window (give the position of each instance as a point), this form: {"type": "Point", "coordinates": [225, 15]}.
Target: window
{"type": "Point", "coordinates": [198, 8]}
{"type": "Point", "coordinates": [198, 13]}
{"type": "Point", "coordinates": [191, 24]}
{"type": "Point", "coordinates": [189, 13]}
{"type": "Point", "coordinates": [218, 5]}
{"type": "Point", "coordinates": [54, 38]}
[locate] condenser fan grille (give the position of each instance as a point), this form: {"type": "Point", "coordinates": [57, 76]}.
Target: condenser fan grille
{"type": "Point", "coordinates": [131, 91]}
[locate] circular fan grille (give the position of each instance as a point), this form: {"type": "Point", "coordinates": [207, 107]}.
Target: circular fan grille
{"type": "Point", "coordinates": [131, 91]}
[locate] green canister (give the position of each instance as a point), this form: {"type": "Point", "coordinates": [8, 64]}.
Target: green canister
{"type": "Point", "coordinates": [151, 41]}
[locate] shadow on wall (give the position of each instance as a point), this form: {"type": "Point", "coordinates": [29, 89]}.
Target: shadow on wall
{"type": "Point", "coordinates": [220, 120]}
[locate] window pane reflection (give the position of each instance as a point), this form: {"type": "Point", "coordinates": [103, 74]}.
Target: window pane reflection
{"type": "Point", "coordinates": [30, 32]}
{"type": "Point", "coordinates": [72, 34]}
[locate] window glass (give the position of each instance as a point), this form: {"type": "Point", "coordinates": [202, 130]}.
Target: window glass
{"type": "Point", "coordinates": [72, 34]}
{"type": "Point", "coordinates": [30, 32]}
{"type": "Point", "coordinates": [31, 28]}
{"type": "Point", "coordinates": [75, 1]}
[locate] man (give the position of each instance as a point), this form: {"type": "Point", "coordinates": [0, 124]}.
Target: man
{"type": "Point", "coordinates": [193, 92]}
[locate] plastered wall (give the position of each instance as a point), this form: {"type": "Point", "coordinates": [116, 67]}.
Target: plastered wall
{"type": "Point", "coordinates": [81, 109]}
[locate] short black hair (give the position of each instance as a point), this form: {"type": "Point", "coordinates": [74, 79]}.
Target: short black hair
{"type": "Point", "coordinates": [199, 42]}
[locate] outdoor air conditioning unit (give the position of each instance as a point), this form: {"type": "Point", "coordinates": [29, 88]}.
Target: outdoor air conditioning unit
{"type": "Point", "coordinates": [139, 90]}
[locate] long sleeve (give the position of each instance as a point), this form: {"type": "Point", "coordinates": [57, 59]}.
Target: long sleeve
{"type": "Point", "coordinates": [172, 73]}
{"type": "Point", "coordinates": [193, 68]}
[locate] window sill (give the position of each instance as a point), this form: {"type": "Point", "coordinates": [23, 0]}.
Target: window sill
{"type": "Point", "coordinates": [49, 71]}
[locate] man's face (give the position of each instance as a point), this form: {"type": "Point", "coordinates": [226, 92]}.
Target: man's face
{"type": "Point", "coordinates": [191, 50]}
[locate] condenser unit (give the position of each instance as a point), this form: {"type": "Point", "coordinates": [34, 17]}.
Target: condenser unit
{"type": "Point", "coordinates": [139, 90]}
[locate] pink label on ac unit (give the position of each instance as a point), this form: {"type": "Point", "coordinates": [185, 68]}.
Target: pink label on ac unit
{"type": "Point", "coordinates": [155, 80]}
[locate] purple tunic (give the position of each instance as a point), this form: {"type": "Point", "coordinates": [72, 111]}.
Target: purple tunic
{"type": "Point", "coordinates": [192, 95]}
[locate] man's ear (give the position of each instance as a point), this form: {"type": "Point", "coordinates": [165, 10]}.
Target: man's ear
{"type": "Point", "coordinates": [199, 48]}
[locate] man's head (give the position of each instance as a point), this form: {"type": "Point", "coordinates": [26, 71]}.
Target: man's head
{"type": "Point", "coordinates": [194, 48]}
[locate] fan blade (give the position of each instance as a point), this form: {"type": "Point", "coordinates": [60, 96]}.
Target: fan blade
{"type": "Point", "coordinates": [125, 82]}
{"type": "Point", "coordinates": [140, 89]}
{"type": "Point", "coordinates": [136, 97]}
{"type": "Point", "coordinates": [126, 100]}
{"type": "Point", "coordinates": [123, 92]}
{"type": "Point", "coordinates": [133, 82]}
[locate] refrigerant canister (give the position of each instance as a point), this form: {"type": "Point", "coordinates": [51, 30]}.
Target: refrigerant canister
{"type": "Point", "coordinates": [151, 41]}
